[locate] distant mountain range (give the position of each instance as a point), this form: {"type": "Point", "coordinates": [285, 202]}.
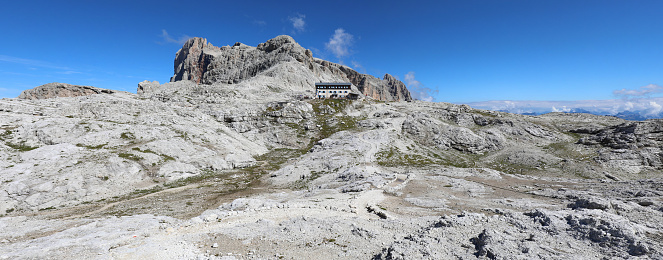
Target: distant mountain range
{"type": "Point", "coordinates": [630, 109]}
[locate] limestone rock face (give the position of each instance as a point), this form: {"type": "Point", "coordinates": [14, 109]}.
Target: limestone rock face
{"type": "Point", "coordinates": [630, 135]}
{"type": "Point", "coordinates": [256, 170]}
{"type": "Point", "coordinates": [249, 165]}
{"type": "Point", "coordinates": [629, 145]}
{"type": "Point", "coordinates": [52, 90]}
{"type": "Point", "coordinates": [147, 86]}
{"type": "Point", "coordinates": [281, 58]}
{"type": "Point", "coordinates": [189, 61]}
{"type": "Point", "coordinates": [386, 89]}
{"type": "Point", "coordinates": [439, 134]}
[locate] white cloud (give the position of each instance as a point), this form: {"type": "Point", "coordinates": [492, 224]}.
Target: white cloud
{"type": "Point", "coordinates": [628, 106]}
{"type": "Point", "coordinates": [563, 109]}
{"type": "Point", "coordinates": [339, 44]}
{"type": "Point", "coordinates": [298, 22]}
{"type": "Point", "coordinates": [410, 81]}
{"type": "Point", "coordinates": [168, 39]}
{"type": "Point", "coordinates": [646, 107]}
{"type": "Point", "coordinates": [654, 109]}
{"type": "Point", "coordinates": [642, 91]}
{"type": "Point", "coordinates": [417, 90]}
{"type": "Point", "coordinates": [358, 67]}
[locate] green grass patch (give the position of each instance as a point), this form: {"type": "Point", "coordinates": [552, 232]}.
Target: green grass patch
{"type": "Point", "coordinates": [273, 108]}
{"type": "Point", "coordinates": [93, 147]}
{"type": "Point", "coordinates": [205, 175]}
{"type": "Point", "coordinates": [147, 191]}
{"type": "Point", "coordinates": [127, 136]}
{"type": "Point", "coordinates": [512, 168]}
{"type": "Point", "coordinates": [143, 151]}
{"type": "Point", "coordinates": [129, 156]}
{"type": "Point", "coordinates": [273, 159]}
{"type": "Point", "coordinates": [393, 157]}
{"type": "Point", "coordinates": [21, 147]}
{"type": "Point", "coordinates": [5, 134]}
{"type": "Point", "coordinates": [302, 183]}
{"type": "Point", "coordinates": [301, 132]}
{"type": "Point", "coordinates": [336, 104]}
{"type": "Point", "coordinates": [567, 150]}
{"type": "Point", "coordinates": [165, 157]}
{"type": "Point", "coordinates": [182, 134]}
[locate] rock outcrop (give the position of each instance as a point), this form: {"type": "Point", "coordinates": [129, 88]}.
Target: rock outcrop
{"type": "Point", "coordinates": [203, 63]}
{"type": "Point", "coordinates": [233, 161]}
{"type": "Point", "coordinates": [147, 86]}
{"type": "Point", "coordinates": [632, 135]}
{"type": "Point", "coordinates": [53, 90]}
{"type": "Point", "coordinates": [629, 145]}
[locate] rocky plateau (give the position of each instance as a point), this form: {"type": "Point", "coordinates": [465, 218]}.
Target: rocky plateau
{"type": "Point", "coordinates": [232, 159]}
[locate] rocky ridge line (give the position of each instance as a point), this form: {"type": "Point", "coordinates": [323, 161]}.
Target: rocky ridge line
{"type": "Point", "coordinates": [203, 63]}
{"type": "Point", "coordinates": [52, 90]}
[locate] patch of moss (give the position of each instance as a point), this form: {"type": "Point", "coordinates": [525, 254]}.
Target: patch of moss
{"type": "Point", "coordinates": [512, 168]}
{"type": "Point", "coordinates": [143, 151]}
{"type": "Point", "coordinates": [21, 147]}
{"type": "Point", "coordinates": [301, 132]}
{"type": "Point", "coordinates": [127, 136]}
{"type": "Point", "coordinates": [94, 147]}
{"type": "Point", "coordinates": [274, 158]}
{"type": "Point", "coordinates": [129, 156]}
{"type": "Point", "coordinates": [182, 134]}
{"type": "Point", "coordinates": [567, 151]}
{"type": "Point", "coordinates": [274, 108]}
{"type": "Point", "coordinates": [167, 158]}
{"type": "Point", "coordinates": [5, 134]}
{"type": "Point", "coordinates": [394, 157]}
{"type": "Point", "coordinates": [147, 191]}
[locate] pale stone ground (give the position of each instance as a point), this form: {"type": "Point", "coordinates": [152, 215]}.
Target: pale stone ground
{"type": "Point", "coordinates": [108, 180]}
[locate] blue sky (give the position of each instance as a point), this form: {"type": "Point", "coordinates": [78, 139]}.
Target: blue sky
{"type": "Point", "coordinates": [451, 51]}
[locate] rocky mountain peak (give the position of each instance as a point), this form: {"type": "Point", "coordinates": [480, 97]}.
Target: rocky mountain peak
{"type": "Point", "coordinates": [396, 88]}
{"type": "Point", "coordinates": [389, 78]}
{"type": "Point", "coordinates": [188, 60]}
{"type": "Point", "coordinates": [277, 42]}
{"type": "Point", "coordinates": [285, 63]}
{"type": "Point", "coordinates": [195, 42]}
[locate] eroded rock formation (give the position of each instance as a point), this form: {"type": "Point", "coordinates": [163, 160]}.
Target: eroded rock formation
{"type": "Point", "coordinates": [203, 63]}
{"type": "Point", "coordinates": [250, 170]}
{"type": "Point", "coordinates": [52, 90]}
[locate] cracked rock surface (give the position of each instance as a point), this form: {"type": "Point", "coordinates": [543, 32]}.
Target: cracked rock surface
{"type": "Point", "coordinates": [240, 165]}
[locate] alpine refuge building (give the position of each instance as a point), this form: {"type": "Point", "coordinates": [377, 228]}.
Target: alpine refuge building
{"type": "Point", "coordinates": [332, 90]}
